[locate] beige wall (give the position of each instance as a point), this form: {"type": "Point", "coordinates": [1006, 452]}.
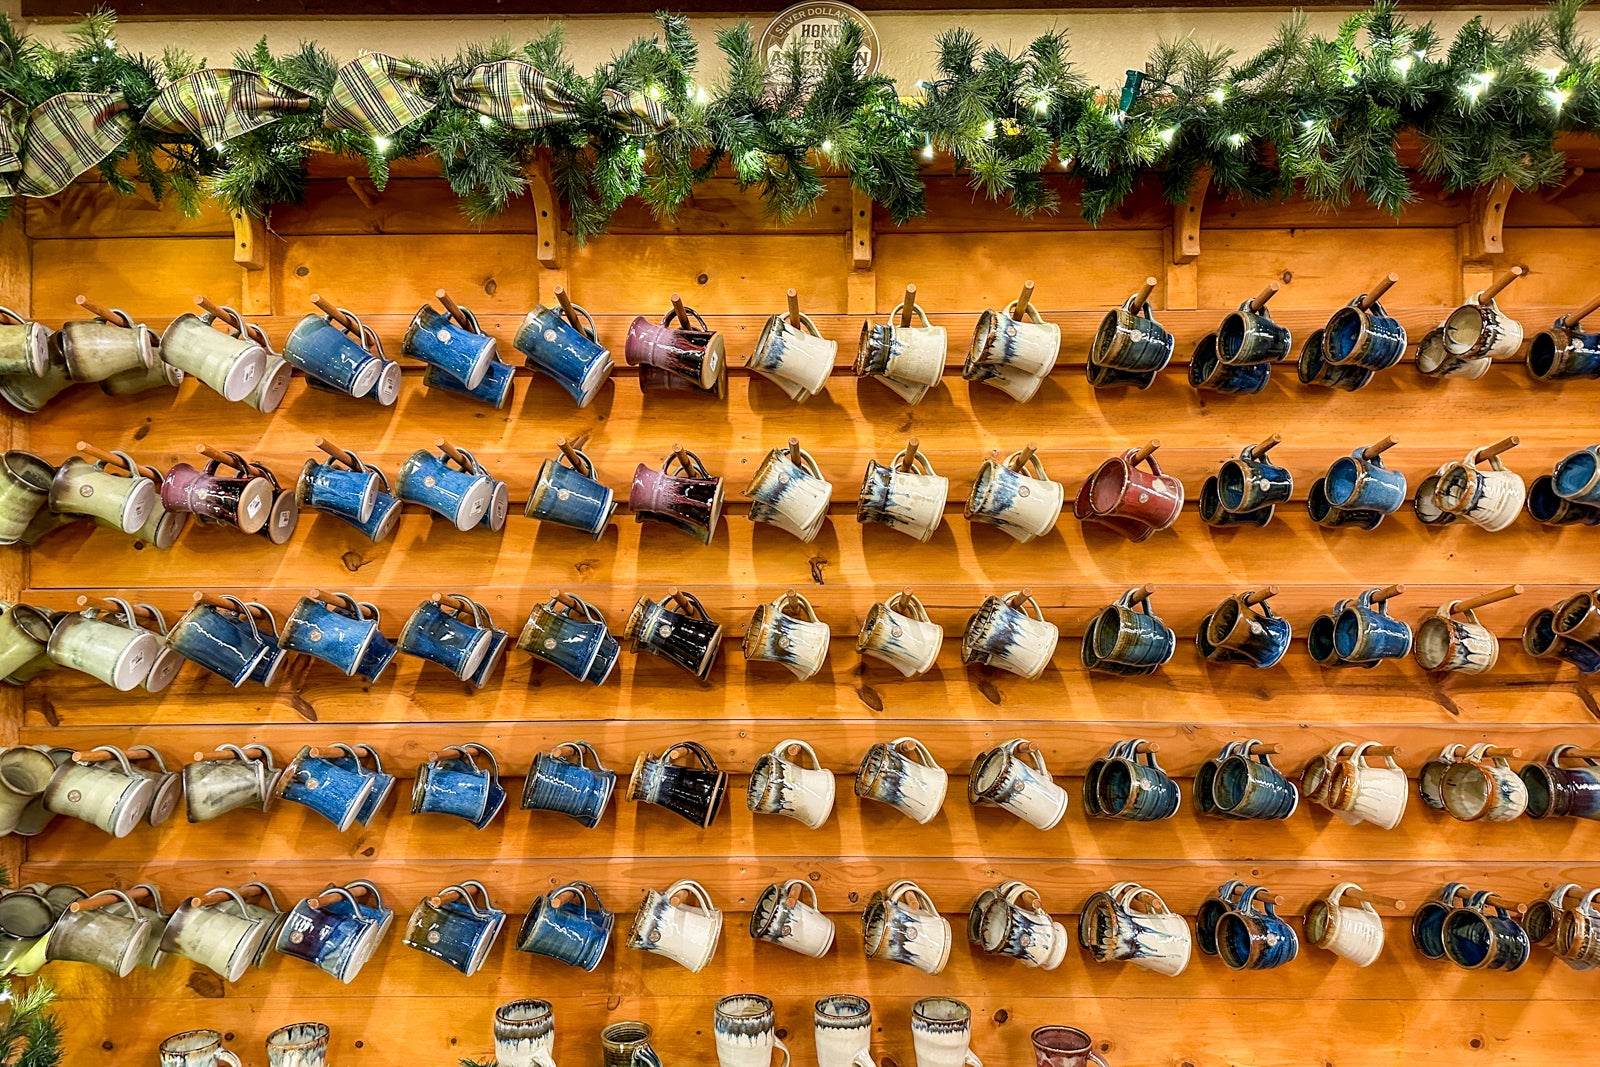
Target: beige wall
{"type": "Point", "coordinates": [1104, 43]}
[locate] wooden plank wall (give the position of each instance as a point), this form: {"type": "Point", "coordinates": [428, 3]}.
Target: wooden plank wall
{"type": "Point", "coordinates": [734, 265]}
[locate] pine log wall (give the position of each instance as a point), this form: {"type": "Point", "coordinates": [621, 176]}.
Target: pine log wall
{"type": "Point", "coordinates": [733, 264]}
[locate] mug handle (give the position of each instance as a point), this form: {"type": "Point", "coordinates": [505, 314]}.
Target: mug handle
{"type": "Point", "coordinates": [687, 462]}
{"type": "Point", "coordinates": [921, 750]}
{"type": "Point", "coordinates": [377, 897]}
{"type": "Point", "coordinates": [1032, 312]}
{"type": "Point", "coordinates": [777, 1043]}
{"type": "Point", "coordinates": [908, 600]}
{"type": "Point", "coordinates": [807, 887]}
{"type": "Point", "coordinates": [228, 1058]}
{"type": "Point", "coordinates": [587, 467]}
{"type": "Point", "coordinates": [577, 889]}
{"type": "Point", "coordinates": [349, 750]}
{"type": "Point", "coordinates": [494, 764]}
{"type": "Point", "coordinates": [796, 600]}
{"type": "Point", "coordinates": [694, 748]}
{"type": "Point", "coordinates": [1034, 464]}
{"type": "Point", "coordinates": [133, 466]}
{"type": "Point", "coordinates": [1037, 613]}
{"type": "Point", "coordinates": [972, 1059]}
{"type": "Point", "coordinates": [1035, 757]}
{"type": "Point", "coordinates": [805, 461]}
{"type": "Point", "coordinates": [645, 1057]}
{"type": "Point", "coordinates": [578, 749]}
{"type": "Point", "coordinates": [816, 761]}
{"type": "Point", "coordinates": [694, 889]}
{"type": "Point", "coordinates": [246, 616]}
{"type": "Point", "coordinates": [146, 752]}
{"type": "Point", "coordinates": [690, 317]}
{"type": "Point", "coordinates": [1158, 906]}
{"type": "Point", "coordinates": [919, 465]}
{"type": "Point", "coordinates": [908, 887]}
{"type": "Point", "coordinates": [690, 603]}
{"type": "Point", "coordinates": [864, 1059]}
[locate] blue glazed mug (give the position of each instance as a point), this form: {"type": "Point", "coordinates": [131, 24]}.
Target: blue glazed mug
{"type": "Point", "coordinates": [1130, 340]}
{"type": "Point", "coordinates": [1207, 371]}
{"type": "Point", "coordinates": [331, 355]}
{"type": "Point", "coordinates": [1481, 935]}
{"type": "Point", "coordinates": [220, 638]}
{"type": "Point", "coordinates": [1427, 923]}
{"type": "Point", "coordinates": [380, 653]}
{"type": "Point", "coordinates": [449, 630]}
{"type": "Point", "coordinates": [1365, 632]}
{"type": "Point", "coordinates": [1360, 481]}
{"type": "Point", "coordinates": [1550, 508]}
{"type": "Point", "coordinates": [562, 780]}
{"type": "Point", "coordinates": [1362, 334]}
{"type": "Point", "coordinates": [570, 633]}
{"type": "Point", "coordinates": [1251, 482]}
{"type": "Point", "coordinates": [1313, 367]}
{"type": "Point", "coordinates": [453, 485]}
{"type": "Point", "coordinates": [332, 789]}
{"type": "Point", "coordinates": [498, 641]}
{"type": "Point", "coordinates": [354, 758]}
{"type": "Point", "coordinates": [564, 925]}
{"type": "Point", "coordinates": [1212, 513]}
{"type": "Point", "coordinates": [266, 670]}
{"type": "Point", "coordinates": [1131, 785]}
{"type": "Point", "coordinates": [1564, 351]}
{"type": "Point", "coordinates": [1248, 337]}
{"type": "Point", "coordinates": [453, 927]}
{"type": "Point", "coordinates": [462, 352]}
{"type": "Point", "coordinates": [1129, 633]}
{"type": "Point", "coordinates": [1326, 515]}
{"type": "Point", "coordinates": [1255, 940]}
{"type": "Point", "coordinates": [1211, 912]}
{"type": "Point", "coordinates": [1577, 477]}
{"type": "Point", "coordinates": [1248, 786]}
{"type": "Point", "coordinates": [565, 352]}
{"type": "Point", "coordinates": [495, 389]}
{"type": "Point", "coordinates": [339, 633]}
{"type": "Point", "coordinates": [1259, 637]}
{"type": "Point", "coordinates": [1205, 782]}
{"type": "Point", "coordinates": [385, 512]}
{"type": "Point", "coordinates": [332, 931]}
{"type": "Point", "coordinates": [567, 493]}
{"type": "Point", "coordinates": [452, 783]}
{"type": "Point", "coordinates": [340, 485]}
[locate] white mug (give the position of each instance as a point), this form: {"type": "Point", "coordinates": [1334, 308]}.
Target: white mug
{"type": "Point", "coordinates": [525, 1034]}
{"type": "Point", "coordinates": [1371, 793]}
{"type": "Point", "coordinates": [195, 1048]}
{"type": "Point", "coordinates": [686, 933]}
{"type": "Point", "coordinates": [1014, 923]}
{"type": "Point", "coordinates": [1490, 498]}
{"type": "Point", "coordinates": [899, 632]}
{"type": "Point", "coordinates": [1014, 777]}
{"type": "Point", "coordinates": [1017, 496]}
{"type": "Point", "coordinates": [901, 925]}
{"type": "Point", "coordinates": [1013, 355]}
{"type": "Point", "coordinates": [911, 501]}
{"type": "Point", "coordinates": [789, 492]}
{"type": "Point", "coordinates": [780, 786]}
{"type": "Point", "coordinates": [797, 358]}
{"type": "Point", "coordinates": [1158, 939]}
{"type": "Point", "coordinates": [904, 775]}
{"type": "Point", "coordinates": [782, 916]}
{"type": "Point", "coordinates": [1010, 633]}
{"type": "Point", "coordinates": [941, 1033]}
{"type": "Point", "coordinates": [787, 631]}
{"type": "Point", "coordinates": [745, 1027]}
{"type": "Point", "coordinates": [1355, 933]}
{"type": "Point", "coordinates": [844, 1031]}
{"type": "Point", "coordinates": [908, 359]}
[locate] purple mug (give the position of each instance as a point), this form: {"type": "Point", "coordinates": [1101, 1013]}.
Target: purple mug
{"type": "Point", "coordinates": [681, 495]}
{"type": "Point", "coordinates": [242, 501]}
{"type": "Point", "coordinates": [690, 354]}
{"type": "Point", "coordinates": [1064, 1046]}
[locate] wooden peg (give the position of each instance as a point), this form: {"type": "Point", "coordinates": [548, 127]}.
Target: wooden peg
{"type": "Point", "coordinates": [1485, 599]}
{"type": "Point", "coordinates": [1141, 594]}
{"type": "Point", "coordinates": [679, 310]}
{"type": "Point", "coordinates": [1578, 316]}
{"type": "Point", "coordinates": [1262, 748]}
{"type": "Point", "coordinates": [1259, 301]}
{"type": "Point", "coordinates": [1025, 301]}
{"type": "Point", "coordinates": [1259, 596]}
{"type": "Point", "coordinates": [567, 309]}
{"type": "Point", "coordinates": [794, 449]}
{"type": "Point", "coordinates": [911, 454]}
{"type": "Point", "coordinates": [100, 311]}
{"type": "Point", "coordinates": [1505, 444]}
{"type": "Point", "coordinates": [565, 599]}
{"type": "Point", "coordinates": [452, 308]}
{"type": "Point", "coordinates": [368, 197]}
{"type": "Point", "coordinates": [1376, 292]}
{"type": "Point", "coordinates": [1019, 598]}
{"type": "Point", "coordinates": [215, 601]}
{"type": "Point", "coordinates": [216, 455]}
{"type": "Point", "coordinates": [335, 452]}
{"type": "Point", "coordinates": [1388, 592]}
{"type": "Point", "coordinates": [446, 897]}
{"type": "Point", "coordinates": [907, 304]}
{"type": "Point", "coordinates": [1144, 453]}
{"type": "Point", "coordinates": [334, 313]}
{"type": "Point", "coordinates": [570, 452]}
{"type": "Point", "coordinates": [794, 309]}
{"type": "Point", "coordinates": [1377, 900]}
{"type": "Point", "coordinates": [214, 310]}
{"type": "Point", "coordinates": [793, 752]}
{"type": "Point", "coordinates": [1496, 286]}
{"type": "Point", "coordinates": [452, 451]}
{"type": "Point", "coordinates": [1583, 753]}
{"type": "Point", "coordinates": [90, 755]}
{"type": "Point", "coordinates": [1504, 902]}
{"type": "Point", "coordinates": [1024, 457]}
{"type": "Point", "coordinates": [1378, 448]}
{"type": "Point", "coordinates": [140, 894]}
{"type": "Point", "coordinates": [1275, 899]}
{"type": "Point", "coordinates": [1503, 752]}
{"type": "Point", "coordinates": [249, 891]}
{"type": "Point", "coordinates": [1383, 751]}
{"type": "Point", "coordinates": [1266, 446]}
{"type": "Point", "coordinates": [1151, 747]}
{"type": "Point", "coordinates": [103, 456]}
{"type": "Point", "coordinates": [1141, 299]}
{"type": "Point", "coordinates": [679, 453]}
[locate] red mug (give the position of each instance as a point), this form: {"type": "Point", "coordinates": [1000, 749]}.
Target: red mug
{"type": "Point", "coordinates": [1131, 486]}
{"type": "Point", "coordinates": [1064, 1046]}
{"type": "Point", "coordinates": [1083, 510]}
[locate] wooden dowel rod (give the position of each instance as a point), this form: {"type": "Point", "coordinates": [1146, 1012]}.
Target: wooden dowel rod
{"type": "Point", "coordinates": [911, 454]}
{"type": "Point", "coordinates": [1378, 448]}
{"type": "Point", "coordinates": [1025, 301]}
{"type": "Point", "coordinates": [679, 310]}
{"type": "Point", "coordinates": [452, 451]}
{"type": "Point", "coordinates": [1582, 313]}
{"type": "Point", "coordinates": [216, 455]}
{"type": "Point", "coordinates": [334, 313]}
{"type": "Point", "coordinates": [1381, 751]}
{"type": "Point", "coordinates": [335, 452]}
{"type": "Point", "coordinates": [1141, 594]}
{"type": "Point", "coordinates": [1024, 457]}
{"type": "Point", "coordinates": [570, 452]}
{"type": "Point", "coordinates": [213, 599]}
{"type": "Point", "coordinates": [140, 894]}
{"type": "Point", "coordinates": [100, 311]}
{"type": "Point", "coordinates": [1259, 301]}
{"type": "Point", "coordinates": [1148, 746]}
{"type": "Point", "coordinates": [1275, 899]}
{"type": "Point", "coordinates": [1260, 596]}
{"type": "Point", "coordinates": [1267, 446]}
{"type": "Point", "coordinates": [1505, 444]}
{"type": "Point", "coordinates": [90, 755]}
{"type": "Point", "coordinates": [102, 455]}
{"type": "Point", "coordinates": [1141, 299]}
{"type": "Point", "coordinates": [217, 896]}
{"type": "Point", "coordinates": [452, 308]}
{"type": "Point", "coordinates": [1377, 900]}
{"type": "Point", "coordinates": [1376, 292]}
{"type": "Point", "coordinates": [1503, 752]}
{"type": "Point", "coordinates": [1484, 599]}
{"type": "Point", "coordinates": [214, 310]}
{"type": "Point", "coordinates": [794, 449]}
{"type": "Point", "coordinates": [565, 599]}
{"type": "Point", "coordinates": [907, 304]}
{"type": "Point", "coordinates": [1583, 753]}
{"type": "Point", "coordinates": [1503, 902]}
{"type": "Point", "coordinates": [567, 309]}
{"type": "Point", "coordinates": [1019, 598]}
{"type": "Point", "coordinates": [794, 309]}
{"type": "Point", "coordinates": [446, 897]}
{"type": "Point", "coordinates": [1499, 284]}
{"type": "Point", "coordinates": [1145, 453]}
{"type": "Point", "coordinates": [1388, 592]}
{"type": "Point", "coordinates": [368, 201]}
{"type": "Point", "coordinates": [1263, 748]}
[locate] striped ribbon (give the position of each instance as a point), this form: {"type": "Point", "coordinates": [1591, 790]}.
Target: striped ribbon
{"type": "Point", "coordinates": [519, 95]}
{"type": "Point", "coordinates": [376, 95]}
{"type": "Point", "coordinates": [218, 105]}
{"type": "Point", "coordinates": [68, 134]}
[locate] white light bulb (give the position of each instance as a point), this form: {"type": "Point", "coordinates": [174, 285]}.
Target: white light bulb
{"type": "Point", "coordinates": [988, 130]}
{"type": "Point", "coordinates": [700, 94]}
{"type": "Point", "coordinates": [1168, 134]}
{"type": "Point", "coordinates": [927, 150]}
{"type": "Point", "coordinates": [1307, 124]}
{"type": "Point", "coordinates": [1236, 139]}
{"type": "Point", "coordinates": [111, 42]}
{"type": "Point", "coordinates": [485, 120]}
{"type": "Point", "coordinates": [653, 91]}
{"type": "Point", "coordinates": [1403, 65]}
{"type": "Point", "coordinates": [827, 144]}
{"type": "Point", "coordinates": [1041, 105]}
{"type": "Point", "coordinates": [381, 143]}
{"type": "Point", "coordinates": [1219, 94]}
{"type": "Point", "coordinates": [642, 153]}
{"type": "Point", "coordinates": [1484, 77]}
{"type": "Point", "coordinates": [1557, 97]}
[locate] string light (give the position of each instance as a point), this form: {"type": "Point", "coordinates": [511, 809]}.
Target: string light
{"type": "Point", "coordinates": [642, 153]}
{"type": "Point", "coordinates": [1403, 65]}
{"type": "Point", "coordinates": [988, 130]}
{"type": "Point", "coordinates": [827, 145]}
{"type": "Point", "coordinates": [111, 44]}
{"type": "Point", "coordinates": [653, 91]}
{"type": "Point", "coordinates": [927, 148]}
{"type": "Point", "coordinates": [1477, 84]}
{"type": "Point", "coordinates": [1557, 97]}
{"type": "Point", "coordinates": [381, 144]}
{"type": "Point", "coordinates": [1220, 93]}
{"type": "Point", "coordinates": [1236, 139]}
{"type": "Point", "coordinates": [1168, 134]}
{"type": "Point", "coordinates": [485, 120]}
{"type": "Point", "coordinates": [1041, 105]}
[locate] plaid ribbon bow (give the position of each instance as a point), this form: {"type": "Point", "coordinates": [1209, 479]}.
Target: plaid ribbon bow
{"type": "Point", "coordinates": [376, 95]}
{"type": "Point", "coordinates": [68, 134]}
{"type": "Point", "coordinates": [218, 105]}
{"type": "Point", "coordinates": [12, 116]}
{"type": "Point", "coordinates": [637, 113]}
{"type": "Point", "coordinates": [519, 95]}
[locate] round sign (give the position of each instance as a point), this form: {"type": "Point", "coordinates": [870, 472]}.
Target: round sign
{"type": "Point", "coordinates": [815, 28]}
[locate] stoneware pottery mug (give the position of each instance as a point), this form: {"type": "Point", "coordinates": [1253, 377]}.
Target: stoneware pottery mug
{"type": "Point", "coordinates": [1064, 1046]}
{"type": "Point", "coordinates": [457, 925]}
{"type": "Point", "coordinates": [525, 1034]}
{"type": "Point", "coordinates": [690, 352]}
{"type": "Point", "coordinates": [1479, 332]}
{"type": "Point", "coordinates": [941, 1033]}
{"type": "Point", "coordinates": [1248, 786]}
{"type": "Point", "coordinates": [568, 924]}
{"type": "Point", "coordinates": [1246, 626]}
{"type": "Point", "coordinates": [1133, 924]}
{"type": "Point", "coordinates": [680, 923]}
{"type": "Point", "coordinates": [232, 778]}
{"type": "Point", "coordinates": [1130, 495]}
{"type": "Point", "coordinates": [1369, 792]}
{"type": "Point", "coordinates": [228, 499]}
{"type": "Point", "coordinates": [1482, 935]}
{"type": "Point", "coordinates": [627, 1044]}
{"type": "Point", "coordinates": [94, 350]}
{"type": "Point", "coordinates": [899, 632]}
{"type": "Point", "coordinates": [452, 485]}
{"type": "Point", "coordinates": [570, 633]}
{"type": "Point", "coordinates": [332, 932]}
{"type": "Point", "coordinates": [787, 631]}
{"type": "Point", "coordinates": [119, 496]}
{"type": "Point", "coordinates": [24, 492]}
{"type": "Point", "coordinates": [1363, 334]}
{"type": "Point", "coordinates": [570, 779]}
{"type": "Point", "coordinates": [782, 916]}
{"type": "Point", "coordinates": [221, 931]}
{"type": "Point", "coordinates": [788, 491]}
{"type": "Point", "coordinates": [451, 631]}
{"type": "Point", "coordinates": [108, 931]}
{"type": "Point", "coordinates": [1131, 785]}
{"type": "Point", "coordinates": [692, 792]}
{"type": "Point", "coordinates": [196, 1048]}
{"type": "Point", "coordinates": [298, 1045]}
{"type": "Point", "coordinates": [341, 632]}
{"type": "Point", "coordinates": [452, 783]}
{"type": "Point", "coordinates": [1549, 507]}
{"type": "Point", "coordinates": [1010, 632]}
{"type": "Point", "coordinates": [335, 790]}
{"type": "Point", "coordinates": [1481, 785]}
{"type": "Point", "coordinates": [745, 1029]}
{"type": "Point", "coordinates": [1249, 336]}
{"type": "Point", "coordinates": [1539, 639]}
{"type": "Point", "coordinates": [1313, 367]}
{"type": "Point", "coordinates": [340, 485]}
{"type": "Point", "coordinates": [224, 640]}
{"type": "Point", "coordinates": [903, 774]}
{"type": "Point", "coordinates": [792, 353]}
{"type": "Point", "coordinates": [781, 785]}
{"type": "Point", "coordinates": [1553, 790]}
{"type": "Point", "coordinates": [336, 355]}
{"type": "Point", "coordinates": [1014, 350]}
{"type": "Point", "coordinates": [1128, 633]}
{"type": "Point", "coordinates": [1430, 780]}
{"type": "Point", "coordinates": [901, 925]}
{"type": "Point", "coordinates": [1360, 481]}
{"type": "Point", "coordinates": [1365, 632]}
{"type": "Point", "coordinates": [1016, 495]}
{"type": "Point", "coordinates": [906, 353]}
{"type": "Point", "coordinates": [110, 647]}
{"type": "Point", "coordinates": [229, 361]}
{"type": "Point", "coordinates": [843, 1030]}
{"type": "Point", "coordinates": [1014, 923]}
{"type": "Point", "coordinates": [357, 758]}
{"type": "Point", "coordinates": [681, 495]}
{"type": "Point", "coordinates": [1250, 482]}
{"type": "Point", "coordinates": [1454, 640]}
{"type": "Point", "coordinates": [1565, 351]}
{"type": "Point", "coordinates": [1129, 339]}
{"type": "Point", "coordinates": [436, 338]}
{"type": "Point", "coordinates": [1255, 939]}
{"type": "Point", "coordinates": [565, 350]}
{"type": "Point", "coordinates": [24, 345]}
{"type": "Point", "coordinates": [1350, 931]}
{"type": "Point", "coordinates": [1210, 914]}
{"type": "Point", "coordinates": [906, 495]}
{"type": "Point", "coordinates": [1014, 776]}
{"type": "Point", "coordinates": [100, 787]}
{"type": "Point", "coordinates": [1489, 498]}
{"type": "Point", "coordinates": [678, 630]}
{"type": "Point", "coordinates": [568, 494]}
{"type": "Point", "coordinates": [1206, 371]}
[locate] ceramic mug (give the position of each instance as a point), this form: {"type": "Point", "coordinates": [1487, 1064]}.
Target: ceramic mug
{"type": "Point", "coordinates": [566, 351]}
{"type": "Point", "coordinates": [1129, 633]}
{"type": "Point", "coordinates": [111, 934]}
{"type": "Point", "coordinates": [1064, 1046]}
{"type": "Point", "coordinates": [1130, 494]}
{"type": "Point", "coordinates": [298, 1045]}
{"type": "Point", "coordinates": [221, 932]}
{"type": "Point", "coordinates": [1369, 792]}
{"type": "Point", "coordinates": [1207, 371]}
{"type": "Point", "coordinates": [196, 1048]}
{"type": "Point", "coordinates": [744, 1027]}
{"type": "Point", "coordinates": [451, 631]}
{"type": "Point", "coordinates": [1010, 633]}
{"type": "Point", "coordinates": [1488, 498]}
{"type": "Point", "coordinates": [1014, 776]}
{"type": "Point", "coordinates": [525, 1034]}
{"type": "Point", "coordinates": [1554, 790]}
{"type": "Point", "coordinates": [793, 355]}
{"type": "Point", "coordinates": [1542, 917]}
{"type": "Point", "coordinates": [1540, 640]}
{"type": "Point", "coordinates": [24, 492]}
{"type": "Point", "coordinates": [1577, 936]}
{"type": "Point", "coordinates": [1016, 495]}
{"type": "Point", "coordinates": [225, 641]}
{"type": "Point", "coordinates": [941, 1033]}
{"type": "Point", "coordinates": [788, 491]}
{"type": "Point", "coordinates": [1479, 331]}
{"type": "Point", "coordinates": [903, 774]}
{"type": "Point", "coordinates": [1365, 632]}
{"type": "Point", "coordinates": [242, 777]}
{"type": "Point", "coordinates": [1255, 939]}
{"type": "Point", "coordinates": [627, 1044]}
{"type": "Point", "coordinates": [899, 632]}
{"type": "Point", "coordinates": [787, 631]}
{"type": "Point", "coordinates": [1576, 478]}
{"type": "Point", "coordinates": [1363, 334]}
{"type": "Point", "coordinates": [843, 1029]}
{"type": "Point", "coordinates": [901, 925]}
{"type": "Point", "coordinates": [564, 925]}
{"type": "Point", "coordinates": [333, 932]}
{"type": "Point", "coordinates": [1447, 643]}
{"type": "Point", "coordinates": [780, 786]}
{"type": "Point", "coordinates": [1430, 780]}
{"type": "Point", "coordinates": [570, 633]}
{"type": "Point", "coordinates": [336, 356]}
{"type": "Point", "coordinates": [95, 350]}
{"type": "Point", "coordinates": [356, 758]}
{"type": "Point", "coordinates": [1251, 482]}
{"type": "Point", "coordinates": [685, 931]}
{"type": "Point", "coordinates": [1014, 351]}
{"type": "Point", "coordinates": [568, 784]}
{"type": "Point", "coordinates": [1248, 786]}
{"type": "Point", "coordinates": [690, 352]}
{"type": "Point", "coordinates": [1361, 482]}
{"type": "Point", "coordinates": [1249, 336]}
{"type": "Point", "coordinates": [1427, 923]}
{"type": "Point", "coordinates": [24, 345]}
{"type": "Point", "coordinates": [1478, 786]}
{"type": "Point", "coordinates": [495, 389]}
{"type": "Point", "coordinates": [692, 792]}
{"type": "Point", "coordinates": [1564, 351]}
{"type": "Point", "coordinates": [682, 495]}
{"type": "Point", "coordinates": [341, 632]}
{"type": "Point", "coordinates": [231, 363]}
{"type": "Point", "coordinates": [1013, 922]}
{"type": "Point", "coordinates": [905, 495]}
{"type": "Point", "coordinates": [1549, 507]}
{"type": "Point", "coordinates": [100, 787]}
{"type": "Point", "coordinates": [35, 392]}
{"type": "Point", "coordinates": [568, 494]}
{"type": "Point", "coordinates": [1246, 625]}
{"type": "Point", "coordinates": [1131, 923]}
{"type": "Point", "coordinates": [122, 497]}
{"type": "Point", "coordinates": [1323, 513]}
{"type": "Point", "coordinates": [1130, 339]}
{"type": "Point", "coordinates": [1352, 932]}
{"type": "Point", "coordinates": [334, 790]}
{"type": "Point", "coordinates": [1210, 914]}
{"type": "Point", "coordinates": [454, 927]}
{"type": "Point", "coordinates": [1479, 935]}
{"type": "Point", "coordinates": [107, 647]}
{"type": "Point", "coordinates": [1205, 781]}
{"type": "Point", "coordinates": [678, 630]}
{"type": "Point", "coordinates": [782, 916]}
{"type": "Point", "coordinates": [1131, 785]}
{"type": "Point", "coordinates": [906, 353]}
{"type": "Point", "coordinates": [452, 485]}
{"type": "Point", "coordinates": [243, 501]}
{"type": "Point", "coordinates": [452, 783]}
{"type": "Point", "coordinates": [340, 485]}
{"type": "Point", "coordinates": [438, 340]}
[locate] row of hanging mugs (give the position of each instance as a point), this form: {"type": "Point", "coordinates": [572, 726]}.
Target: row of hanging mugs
{"type": "Point", "coordinates": [1012, 350]}
{"type": "Point", "coordinates": [745, 1033]}
{"type": "Point", "coordinates": [338, 930]}
{"type": "Point", "coordinates": [129, 646]}
{"type": "Point", "coordinates": [118, 790]}
{"type": "Point", "coordinates": [1128, 495]}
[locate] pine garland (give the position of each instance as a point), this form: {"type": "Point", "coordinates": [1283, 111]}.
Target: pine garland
{"type": "Point", "coordinates": [1309, 114]}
